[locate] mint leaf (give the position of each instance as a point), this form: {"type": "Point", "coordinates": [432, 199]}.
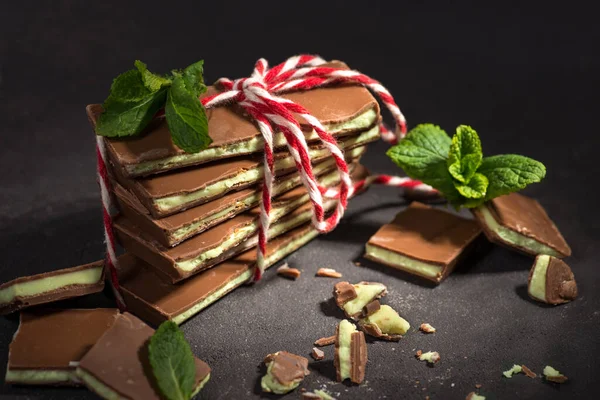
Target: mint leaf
{"type": "Point", "coordinates": [152, 81]}
{"type": "Point", "coordinates": [475, 189]}
{"type": "Point", "coordinates": [423, 154]}
{"type": "Point", "coordinates": [193, 78]}
{"type": "Point", "coordinates": [186, 116]}
{"type": "Point", "coordinates": [172, 362]}
{"type": "Point", "coordinates": [510, 173]}
{"type": "Point", "coordinates": [465, 154]}
{"type": "Point", "coordinates": [129, 107]}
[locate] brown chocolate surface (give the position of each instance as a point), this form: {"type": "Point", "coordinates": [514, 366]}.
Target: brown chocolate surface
{"type": "Point", "coordinates": [429, 235]}
{"type": "Point", "coordinates": [50, 339]}
{"type": "Point", "coordinates": [526, 216]}
{"type": "Point", "coordinates": [228, 125]}
{"type": "Point", "coordinates": [119, 360]}
{"type": "Point", "coordinates": [371, 308]}
{"type": "Point", "coordinates": [21, 302]}
{"type": "Point", "coordinates": [561, 286]}
{"type": "Point", "coordinates": [288, 368]}
{"type": "Point", "coordinates": [191, 180]}
{"type": "Point", "coordinates": [152, 299]}
{"type": "Point", "coordinates": [358, 357]}
{"type": "Point", "coordinates": [343, 292]}
{"type": "Point", "coordinates": [164, 259]}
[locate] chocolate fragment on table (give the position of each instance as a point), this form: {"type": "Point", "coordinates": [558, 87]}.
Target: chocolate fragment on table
{"type": "Point", "coordinates": [423, 241]}
{"type": "Point", "coordinates": [551, 281]}
{"type": "Point", "coordinates": [51, 286]}
{"type": "Point", "coordinates": [350, 353]}
{"type": "Point", "coordinates": [431, 357]}
{"type": "Point", "coordinates": [317, 395]}
{"type": "Point", "coordinates": [166, 194]}
{"type": "Point", "coordinates": [318, 354]}
{"type": "Point", "coordinates": [285, 371]}
{"type": "Point", "coordinates": [529, 373]}
{"type": "Point", "coordinates": [174, 229]}
{"type": "Point", "coordinates": [341, 109]}
{"type": "Point", "coordinates": [325, 341]}
{"type": "Point", "coordinates": [426, 328]}
{"type": "Point", "coordinates": [371, 308]}
{"type": "Point", "coordinates": [117, 366]}
{"type": "Point", "coordinates": [328, 273]}
{"type": "Point", "coordinates": [288, 272]}
{"type": "Point", "coordinates": [385, 324]}
{"type": "Point", "coordinates": [223, 241]}
{"type": "Point", "coordinates": [521, 223]}
{"type": "Point", "coordinates": [353, 299]}
{"type": "Point", "coordinates": [474, 396]}
{"type": "Point", "coordinates": [50, 343]}
{"type": "Point", "coordinates": [148, 296]}
{"type": "Point", "coordinates": [552, 375]}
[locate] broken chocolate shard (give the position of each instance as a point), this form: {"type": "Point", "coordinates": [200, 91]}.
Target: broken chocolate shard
{"type": "Point", "coordinates": [423, 241]}
{"type": "Point", "coordinates": [342, 110]}
{"type": "Point", "coordinates": [371, 308]}
{"type": "Point", "coordinates": [521, 223]}
{"type": "Point", "coordinates": [385, 323]}
{"type": "Point", "coordinates": [154, 300]}
{"type": "Point", "coordinates": [117, 366]}
{"type": "Point", "coordinates": [350, 353]}
{"type": "Point", "coordinates": [353, 299]}
{"type": "Point", "coordinates": [65, 336]}
{"type": "Point", "coordinates": [285, 371]}
{"type": "Point", "coordinates": [551, 281]}
{"type": "Point", "coordinates": [325, 341]}
{"type": "Point", "coordinates": [51, 286]}
{"type": "Point", "coordinates": [317, 354]}
{"type": "Point", "coordinates": [529, 373]}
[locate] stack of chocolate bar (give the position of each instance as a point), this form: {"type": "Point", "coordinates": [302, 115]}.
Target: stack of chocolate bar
{"type": "Point", "coordinates": [189, 221]}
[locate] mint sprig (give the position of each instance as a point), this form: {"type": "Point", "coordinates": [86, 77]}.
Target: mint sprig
{"type": "Point", "coordinates": [172, 362]}
{"type": "Point", "coordinates": [456, 167]}
{"type": "Point", "coordinates": [138, 94]}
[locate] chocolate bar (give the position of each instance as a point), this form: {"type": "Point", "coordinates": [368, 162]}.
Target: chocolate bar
{"type": "Point", "coordinates": [51, 286]}
{"type": "Point", "coordinates": [521, 223]}
{"type": "Point", "coordinates": [423, 241]}
{"type": "Point", "coordinates": [170, 193]}
{"type": "Point", "coordinates": [153, 300]}
{"type": "Point", "coordinates": [174, 229]}
{"type": "Point", "coordinates": [222, 241]}
{"type": "Point", "coordinates": [341, 109]}
{"type": "Point", "coordinates": [551, 281]}
{"type": "Point", "coordinates": [117, 366]}
{"type": "Point", "coordinates": [50, 343]}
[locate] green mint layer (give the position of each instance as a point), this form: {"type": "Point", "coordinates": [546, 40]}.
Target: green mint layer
{"type": "Point", "coordinates": [138, 94]}
{"type": "Point", "coordinates": [172, 362]}
{"type": "Point", "coordinates": [456, 167]}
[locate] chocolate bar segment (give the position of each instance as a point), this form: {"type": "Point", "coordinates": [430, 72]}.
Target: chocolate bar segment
{"type": "Point", "coordinates": [521, 223]}
{"type": "Point", "coordinates": [51, 286]}
{"type": "Point", "coordinates": [50, 343]}
{"type": "Point", "coordinates": [423, 241]}
{"type": "Point", "coordinates": [551, 281]}
{"type": "Point", "coordinates": [285, 371]}
{"type": "Point", "coordinates": [117, 366]}
{"type": "Point", "coordinates": [223, 241]}
{"type": "Point", "coordinates": [170, 193]}
{"type": "Point", "coordinates": [350, 353]}
{"type": "Point", "coordinates": [174, 229]}
{"type": "Point", "coordinates": [341, 109]}
{"type": "Point", "coordinates": [152, 299]}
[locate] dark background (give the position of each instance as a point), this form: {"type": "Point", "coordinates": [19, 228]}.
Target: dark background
{"type": "Point", "coordinates": [524, 76]}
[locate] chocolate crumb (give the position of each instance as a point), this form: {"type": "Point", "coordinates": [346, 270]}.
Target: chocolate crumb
{"type": "Point", "coordinates": [426, 328]}
{"type": "Point", "coordinates": [357, 263]}
{"type": "Point", "coordinates": [328, 273]}
{"type": "Point", "coordinates": [325, 341]}
{"type": "Point", "coordinates": [478, 385]}
{"type": "Point", "coordinates": [528, 372]}
{"type": "Point", "coordinates": [418, 354]}
{"type": "Point", "coordinates": [318, 354]}
{"type": "Point", "coordinates": [288, 272]}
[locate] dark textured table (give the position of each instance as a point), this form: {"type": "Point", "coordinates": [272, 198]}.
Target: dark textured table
{"type": "Point", "coordinates": [526, 79]}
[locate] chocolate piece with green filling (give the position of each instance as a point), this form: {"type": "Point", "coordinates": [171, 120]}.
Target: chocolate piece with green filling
{"type": "Point", "coordinates": [385, 323]}
{"type": "Point", "coordinates": [350, 353]}
{"type": "Point", "coordinates": [148, 296]}
{"type": "Point", "coordinates": [341, 109]}
{"type": "Point", "coordinates": [49, 344]}
{"type": "Point", "coordinates": [117, 366]}
{"type": "Point", "coordinates": [353, 299]}
{"type": "Point", "coordinates": [50, 286]}
{"type": "Point", "coordinates": [423, 241]}
{"type": "Point", "coordinates": [551, 281]}
{"type": "Point", "coordinates": [169, 193]}
{"type": "Point", "coordinates": [225, 240]}
{"type": "Point", "coordinates": [285, 371]}
{"type": "Point", "coordinates": [174, 229]}
{"type": "Point", "coordinates": [521, 223]}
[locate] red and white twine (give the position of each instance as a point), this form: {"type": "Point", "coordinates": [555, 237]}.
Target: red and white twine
{"type": "Point", "coordinates": [258, 96]}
